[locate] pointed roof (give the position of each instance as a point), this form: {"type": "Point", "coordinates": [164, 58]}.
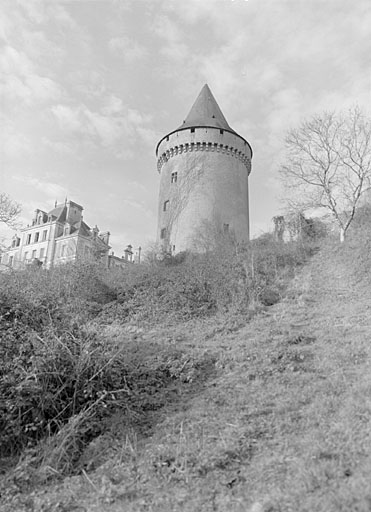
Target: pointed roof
{"type": "Point", "coordinates": [205, 112]}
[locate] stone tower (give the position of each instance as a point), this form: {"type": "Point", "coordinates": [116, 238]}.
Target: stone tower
{"type": "Point", "coordinates": [204, 166]}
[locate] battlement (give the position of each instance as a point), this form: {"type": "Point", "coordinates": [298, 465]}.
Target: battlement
{"type": "Point", "coordinates": [204, 139]}
{"type": "Point", "coordinates": [204, 146]}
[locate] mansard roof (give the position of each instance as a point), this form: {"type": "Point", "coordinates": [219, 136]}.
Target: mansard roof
{"type": "Point", "coordinates": [205, 112]}
{"type": "Point", "coordinates": [58, 213]}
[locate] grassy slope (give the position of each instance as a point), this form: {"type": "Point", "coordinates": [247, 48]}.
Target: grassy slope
{"type": "Point", "coordinates": [280, 423]}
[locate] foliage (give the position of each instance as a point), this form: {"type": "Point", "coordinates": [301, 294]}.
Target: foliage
{"type": "Point", "coordinates": [229, 278]}
{"type": "Point", "coordinates": [62, 379]}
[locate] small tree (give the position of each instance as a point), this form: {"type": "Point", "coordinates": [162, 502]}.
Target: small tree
{"type": "Point", "coordinates": [329, 164]}
{"type": "Point", "coordinates": [9, 210]}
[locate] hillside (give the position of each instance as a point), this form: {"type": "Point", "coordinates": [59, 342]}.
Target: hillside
{"type": "Point", "coordinates": [271, 416]}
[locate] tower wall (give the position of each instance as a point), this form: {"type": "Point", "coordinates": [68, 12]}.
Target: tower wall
{"type": "Point", "coordinates": [203, 185]}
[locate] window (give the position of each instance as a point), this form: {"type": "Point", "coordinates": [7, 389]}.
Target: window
{"type": "Point", "coordinates": [192, 130]}
{"type": "Point", "coordinates": [173, 248]}
{"type": "Point", "coordinates": [221, 132]}
{"type": "Point", "coordinates": [25, 255]}
{"type": "Point", "coordinates": [34, 254]}
{"type": "Point", "coordinates": [63, 250]}
{"type": "Point", "coordinates": [226, 228]}
{"type": "Point", "coordinates": [44, 235]}
{"type": "Point", "coordinates": [42, 253]}
{"type": "Point", "coordinates": [36, 237]}
{"type": "Point", "coordinates": [163, 233]}
{"type": "Point", "coordinates": [174, 177]}
{"type": "Point", "coordinates": [10, 261]}
{"type": "Point", "coordinates": [28, 239]}
{"type": "Point", "coordinates": [166, 205]}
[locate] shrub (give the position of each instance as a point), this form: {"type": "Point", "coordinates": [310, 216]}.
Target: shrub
{"type": "Point", "coordinates": [226, 279]}
{"type": "Point", "coordinates": [60, 380]}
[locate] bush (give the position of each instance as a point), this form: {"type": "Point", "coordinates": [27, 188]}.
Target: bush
{"type": "Point", "coordinates": [227, 279]}
{"type": "Point", "coordinates": [60, 381]}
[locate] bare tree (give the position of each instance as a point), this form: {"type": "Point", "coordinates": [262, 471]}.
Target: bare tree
{"type": "Point", "coordinates": [329, 164]}
{"type": "Point", "coordinates": [9, 210]}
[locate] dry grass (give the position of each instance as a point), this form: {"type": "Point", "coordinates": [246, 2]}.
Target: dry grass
{"type": "Point", "coordinates": [277, 421]}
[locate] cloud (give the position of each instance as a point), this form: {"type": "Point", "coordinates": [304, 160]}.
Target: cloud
{"type": "Point", "coordinates": [70, 119]}
{"type": "Point", "coordinates": [114, 126]}
{"type": "Point", "coordinates": [20, 82]}
{"type": "Point", "coordinates": [129, 49]}
{"type": "Point", "coordinates": [87, 82]}
{"type": "Point", "coordinates": [39, 12]}
{"type": "Point", "coordinates": [14, 62]}
{"type": "Point", "coordinates": [170, 31]}
{"type": "Point", "coordinates": [112, 105]}
{"type": "Point", "coordinates": [14, 143]}
{"type": "Point", "coordinates": [41, 49]}
{"type": "Point", "coordinates": [51, 190]}
{"type": "Point", "coordinates": [62, 148]}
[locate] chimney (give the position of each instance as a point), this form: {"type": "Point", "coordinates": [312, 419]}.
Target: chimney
{"type": "Point", "coordinates": [129, 253]}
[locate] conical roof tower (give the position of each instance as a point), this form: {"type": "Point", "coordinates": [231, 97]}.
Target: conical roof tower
{"type": "Point", "coordinates": [204, 166]}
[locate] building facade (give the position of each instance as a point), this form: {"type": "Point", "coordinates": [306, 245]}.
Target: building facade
{"type": "Point", "coordinates": [204, 167]}
{"type": "Point", "coordinates": [55, 237]}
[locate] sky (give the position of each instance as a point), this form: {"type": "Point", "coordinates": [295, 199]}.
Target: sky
{"type": "Point", "coordinates": [88, 88]}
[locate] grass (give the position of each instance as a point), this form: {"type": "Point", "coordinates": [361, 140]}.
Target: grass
{"type": "Point", "coordinates": [270, 415]}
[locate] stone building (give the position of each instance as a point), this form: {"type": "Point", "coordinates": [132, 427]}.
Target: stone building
{"type": "Point", "coordinates": [204, 167]}
{"type": "Point", "coordinates": [57, 236]}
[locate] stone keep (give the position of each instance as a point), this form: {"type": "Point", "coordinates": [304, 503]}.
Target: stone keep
{"type": "Point", "coordinates": [204, 167]}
